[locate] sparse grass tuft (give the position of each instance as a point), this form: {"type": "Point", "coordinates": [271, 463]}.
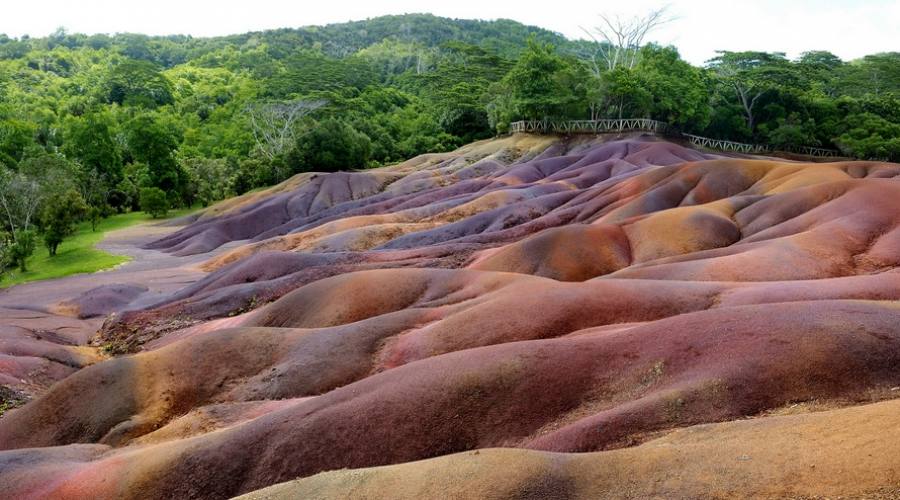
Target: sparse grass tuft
{"type": "Point", "coordinates": [10, 399]}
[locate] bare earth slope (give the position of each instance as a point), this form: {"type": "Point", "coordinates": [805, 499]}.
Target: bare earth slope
{"type": "Point", "coordinates": [545, 296]}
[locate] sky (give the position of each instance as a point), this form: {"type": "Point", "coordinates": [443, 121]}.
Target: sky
{"type": "Point", "coordinates": [848, 28]}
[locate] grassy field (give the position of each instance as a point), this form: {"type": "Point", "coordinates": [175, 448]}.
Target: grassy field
{"type": "Point", "coordinates": [77, 253]}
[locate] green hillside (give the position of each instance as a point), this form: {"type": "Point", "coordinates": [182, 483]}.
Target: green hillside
{"type": "Point", "coordinates": [205, 118]}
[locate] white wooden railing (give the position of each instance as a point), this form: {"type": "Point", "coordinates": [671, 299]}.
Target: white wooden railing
{"type": "Point", "coordinates": [654, 127]}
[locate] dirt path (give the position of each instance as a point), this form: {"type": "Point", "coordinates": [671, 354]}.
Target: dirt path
{"type": "Point", "coordinates": [42, 339]}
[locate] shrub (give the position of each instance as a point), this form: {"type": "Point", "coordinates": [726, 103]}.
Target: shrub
{"type": "Point", "coordinates": [154, 202]}
{"type": "Point", "coordinates": [21, 249]}
{"type": "Point", "coordinates": [331, 146]}
{"type": "Point", "coordinates": [61, 212]}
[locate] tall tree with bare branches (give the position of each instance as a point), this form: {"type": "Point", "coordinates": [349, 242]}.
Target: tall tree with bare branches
{"type": "Point", "coordinates": [20, 199]}
{"type": "Point", "coordinates": [618, 40]}
{"type": "Point", "coordinates": [275, 123]}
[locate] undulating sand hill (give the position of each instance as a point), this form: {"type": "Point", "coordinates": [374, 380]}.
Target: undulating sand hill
{"type": "Point", "coordinates": [526, 317]}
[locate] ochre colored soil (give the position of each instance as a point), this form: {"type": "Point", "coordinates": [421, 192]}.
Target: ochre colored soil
{"type": "Point", "coordinates": [527, 317]}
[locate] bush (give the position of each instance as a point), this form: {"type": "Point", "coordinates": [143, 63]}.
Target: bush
{"type": "Point", "coordinates": [118, 200]}
{"type": "Point", "coordinates": [872, 137]}
{"type": "Point", "coordinates": [5, 254]}
{"type": "Point", "coordinates": [154, 202]}
{"type": "Point", "coordinates": [330, 146]}
{"type": "Point", "coordinates": [21, 248]}
{"type": "Point", "coordinates": [61, 212]}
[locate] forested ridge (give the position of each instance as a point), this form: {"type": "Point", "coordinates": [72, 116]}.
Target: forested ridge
{"type": "Point", "coordinates": [93, 124]}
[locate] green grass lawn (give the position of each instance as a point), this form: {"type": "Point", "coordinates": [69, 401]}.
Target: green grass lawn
{"type": "Point", "coordinates": [77, 254]}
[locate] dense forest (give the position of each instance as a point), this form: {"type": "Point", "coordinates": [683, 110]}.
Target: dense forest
{"type": "Point", "coordinates": [96, 124]}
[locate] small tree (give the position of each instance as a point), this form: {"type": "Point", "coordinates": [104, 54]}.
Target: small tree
{"type": "Point", "coordinates": [21, 248]}
{"type": "Point", "coordinates": [60, 214]}
{"type": "Point", "coordinates": [5, 254]}
{"type": "Point", "coordinates": [118, 200]}
{"type": "Point", "coordinates": [154, 202]}
{"type": "Point", "coordinates": [207, 178]}
{"type": "Point", "coordinates": [625, 93]}
{"type": "Point", "coordinates": [94, 214]}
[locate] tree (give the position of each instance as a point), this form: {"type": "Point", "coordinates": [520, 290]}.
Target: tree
{"type": "Point", "coordinates": [792, 132]}
{"type": "Point", "coordinates": [138, 83]}
{"type": "Point", "coordinates": [15, 137]}
{"type": "Point", "coordinates": [22, 248]}
{"type": "Point", "coordinates": [252, 173]}
{"type": "Point", "coordinates": [678, 91]}
{"type": "Point", "coordinates": [821, 71]}
{"type": "Point", "coordinates": [20, 198]}
{"type": "Point", "coordinates": [330, 146]}
{"type": "Point", "coordinates": [154, 202]}
{"type": "Point", "coordinates": [751, 75]}
{"type": "Point", "coordinates": [6, 260]}
{"type": "Point", "coordinates": [153, 142]}
{"type": "Point", "coordinates": [820, 59]}
{"type": "Point", "coordinates": [207, 178]}
{"type": "Point", "coordinates": [90, 139]}
{"type": "Point", "coordinates": [625, 94]}
{"type": "Point", "coordinates": [275, 124]}
{"type": "Point", "coordinates": [617, 41]}
{"type": "Point", "coordinates": [875, 74]}
{"type": "Point", "coordinates": [536, 83]}
{"type": "Point", "coordinates": [59, 216]}
{"type": "Point", "coordinates": [393, 57]}
{"type": "Point", "coordinates": [871, 136]}
{"type": "Point", "coordinates": [118, 200]}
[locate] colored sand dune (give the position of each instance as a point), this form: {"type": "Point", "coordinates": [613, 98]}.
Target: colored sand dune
{"type": "Point", "coordinates": [527, 317]}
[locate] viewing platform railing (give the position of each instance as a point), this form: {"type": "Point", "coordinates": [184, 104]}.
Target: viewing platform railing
{"type": "Point", "coordinates": [655, 127]}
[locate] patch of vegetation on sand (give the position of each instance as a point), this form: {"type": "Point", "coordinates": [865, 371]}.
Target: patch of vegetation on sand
{"type": "Point", "coordinates": [76, 254]}
{"type": "Point", "coordinates": [11, 399]}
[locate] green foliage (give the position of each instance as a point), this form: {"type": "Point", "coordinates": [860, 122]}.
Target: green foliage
{"type": "Point", "coordinates": [109, 115]}
{"type": "Point", "coordinates": [251, 173]}
{"type": "Point", "coordinates": [207, 178]}
{"type": "Point", "coordinates": [61, 211]}
{"type": "Point", "coordinates": [308, 72]}
{"type": "Point", "coordinates": [15, 137]}
{"type": "Point", "coordinates": [537, 83]}
{"type": "Point", "coordinates": [152, 141]}
{"type": "Point", "coordinates": [625, 93]}
{"type": "Point", "coordinates": [21, 248]}
{"type": "Point", "coordinates": [154, 202]}
{"type": "Point", "coordinates": [78, 254]}
{"type": "Point", "coordinates": [138, 83]}
{"type": "Point", "coordinates": [791, 132]}
{"type": "Point", "coordinates": [330, 146]}
{"type": "Point", "coordinates": [94, 214]}
{"type": "Point", "coordinates": [20, 199]}
{"type": "Point", "coordinates": [677, 91]}
{"type": "Point", "coordinates": [876, 75]}
{"type": "Point", "coordinates": [90, 139]}
{"type": "Point", "coordinates": [6, 258]}
{"type": "Point", "coordinates": [871, 136]}
{"type": "Point", "coordinates": [135, 176]}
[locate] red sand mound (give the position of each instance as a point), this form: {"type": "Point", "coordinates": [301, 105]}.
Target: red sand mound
{"type": "Point", "coordinates": [550, 295]}
{"type": "Point", "coordinates": [784, 457]}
